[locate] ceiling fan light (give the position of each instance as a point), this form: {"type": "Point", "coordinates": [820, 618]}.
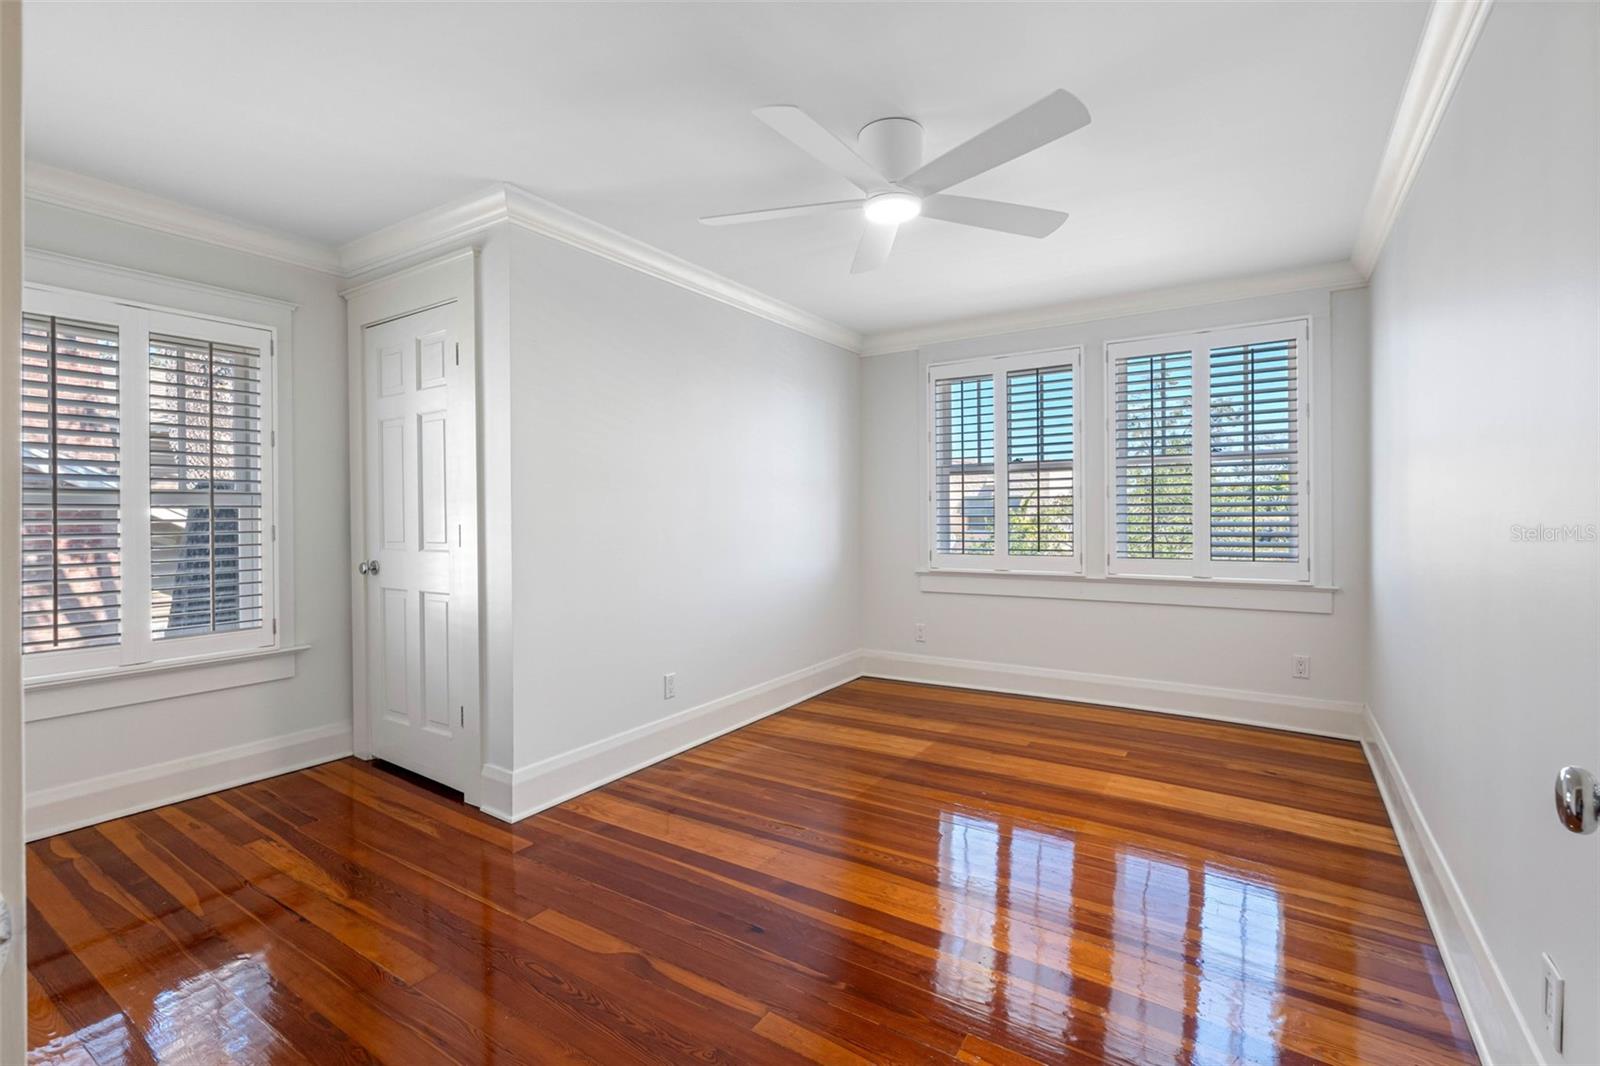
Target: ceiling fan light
{"type": "Point", "coordinates": [892, 208]}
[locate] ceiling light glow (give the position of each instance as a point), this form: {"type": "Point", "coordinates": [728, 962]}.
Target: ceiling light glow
{"type": "Point", "coordinates": [892, 208]}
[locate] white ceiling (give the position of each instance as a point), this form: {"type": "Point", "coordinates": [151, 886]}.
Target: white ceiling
{"type": "Point", "coordinates": [1228, 139]}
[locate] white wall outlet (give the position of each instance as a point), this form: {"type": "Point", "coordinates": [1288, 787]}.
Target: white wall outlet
{"type": "Point", "coordinates": [669, 686]}
{"type": "Point", "coordinates": [1300, 667]}
{"type": "Point", "coordinates": [1555, 999]}
{"type": "Point", "coordinates": [920, 635]}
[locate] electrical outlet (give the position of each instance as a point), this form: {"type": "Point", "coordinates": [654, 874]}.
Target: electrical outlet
{"type": "Point", "coordinates": [669, 686]}
{"type": "Point", "coordinates": [921, 634]}
{"type": "Point", "coordinates": [1301, 668]}
{"type": "Point", "coordinates": [1555, 999]}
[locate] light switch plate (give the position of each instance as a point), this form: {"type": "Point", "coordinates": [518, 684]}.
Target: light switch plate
{"type": "Point", "coordinates": [1555, 996]}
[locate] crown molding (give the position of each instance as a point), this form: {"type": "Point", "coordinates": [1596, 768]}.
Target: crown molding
{"type": "Point", "coordinates": [417, 237]}
{"type": "Point", "coordinates": [459, 221]}
{"type": "Point", "coordinates": [1447, 39]}
{"type": "Point", "coordinates": [1325, 276]}
{"type": "Point", "coordinates": [62, 188]}
{"type": "Point", "coordinates": [549, 220]}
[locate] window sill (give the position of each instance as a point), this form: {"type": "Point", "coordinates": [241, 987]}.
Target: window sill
{"type": "Point", "coordinates": [61, 695]}
{"type": "Point", "coordinates": [1295, 598]}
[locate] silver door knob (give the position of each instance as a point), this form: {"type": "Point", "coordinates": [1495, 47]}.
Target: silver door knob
{"type": "Point", "coordinates": [368, 566]}
{"type": "Point", "coordinates": [1577, 799]}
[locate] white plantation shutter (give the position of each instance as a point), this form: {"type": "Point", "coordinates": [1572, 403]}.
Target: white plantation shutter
{"type": "Point", "coordinates": [1015, 415]}
{"type": "Point", "coordinates": [1255, 438]}
{"type": "Point", "coordinates": [206, 493]}
{"type": "Point", "coordinates": [1039, 486]}
{"type": "Point", "coordinates": [71, 485]}
{"type": "Point", "coordinates": [963, 445]}
{"type": "Point", "coordinates": [1208, 454]}
{"type": "Point", "coordinates": [1153, 457]}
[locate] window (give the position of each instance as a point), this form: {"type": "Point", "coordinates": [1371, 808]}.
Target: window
{"type": "Point", "coordinates": [1011, 418]}
{"type": "Point", "coordinates": [147, 485]}
{"type": "Point", "coordinates": [1207, 457]}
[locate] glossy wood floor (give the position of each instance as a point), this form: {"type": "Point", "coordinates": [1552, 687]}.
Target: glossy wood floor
{"type": "Point", "coordinates": [886, 873]}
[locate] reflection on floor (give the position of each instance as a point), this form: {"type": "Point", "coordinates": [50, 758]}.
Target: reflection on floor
{"type": "Point", "coordinates": [886, 873]}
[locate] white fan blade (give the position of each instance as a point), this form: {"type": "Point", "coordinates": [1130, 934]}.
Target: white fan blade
{"type": "Point", "coordinates": [780, 212]}
{"type": "Point", "coordinates": [874, 247]}
{"type": "Point", "coordinates": [993, 214]}
{"type": "Point", "coordinates": [1033, 127]}
{"type": "Point", "coordinates": [812, 138]}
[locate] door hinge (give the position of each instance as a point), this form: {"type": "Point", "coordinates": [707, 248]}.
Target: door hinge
{"type": "Point", "coordinates": [274, 438]}
{"type": "Point", "coordinates": [274, 532]}
{"type": "Point", "coordinates": [463, 716]}
{"type": "Point", "coordinates": [458, 353]}
{"type": "Point", "coordinates": [274, 627]}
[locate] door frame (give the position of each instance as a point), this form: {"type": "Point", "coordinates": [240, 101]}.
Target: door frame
{"type": "Point", "coordinates": [450, 281]}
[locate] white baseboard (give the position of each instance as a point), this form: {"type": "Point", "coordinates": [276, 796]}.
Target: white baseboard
{"type": "Point", "coordinates": [1301, 714]}
{"type": "Point", "coordinates": [56, 810]}
{"type": "Point", "coordinates": [1498, 1028]}
{"type": "Point", "coordinates": [514, 795]}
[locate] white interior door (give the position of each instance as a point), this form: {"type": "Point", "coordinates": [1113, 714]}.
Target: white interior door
{"type": "Point", "coordinates": [420, 475]}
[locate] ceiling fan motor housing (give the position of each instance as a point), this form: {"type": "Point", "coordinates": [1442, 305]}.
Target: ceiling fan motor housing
{"type": "Point", "coordinates": [892, 145]}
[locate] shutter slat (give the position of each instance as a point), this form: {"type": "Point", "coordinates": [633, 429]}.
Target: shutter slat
{"type": "Point", "coordinates": [963, 434]}
{"type": "Point", "coordinates": [1255, 473]}
{"type": "Point", "coordinates": [1153, 455]}
{"type": "Point", "coordinates": [205, 487]}
{"type": "Point", "coordinates": [72, 486]}
{"type": "Point", "coordinates": [1039, 467]}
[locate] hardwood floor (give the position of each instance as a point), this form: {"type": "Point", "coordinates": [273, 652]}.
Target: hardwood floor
{"type": "Point", "coordinates": [885, 873]}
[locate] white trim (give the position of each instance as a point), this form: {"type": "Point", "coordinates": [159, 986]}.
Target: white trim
{"type": "Point", "coordinates": [1499, 1029]}
{"type": "Point", "coordinates": [461, 220]}
{"type": "Point", "coordinates": [1276, 283]}
{"type": "Point", "coordinates": [410, 238]}
{"type": "Point", "coordinates": [1299, 714]}
{"type": "Point", "coordinates": [1294, 598]}
{"type": "Point", "coordinates": [66, 807]}
{"type": "Point", "coordinates": [458, 221]}
{"type": "Point", "coordinates": [132, 280]}
{"type": "Point", "coordinates": [63, 695]}
{"type": "Point", "coordinates": [514, 795]}
{"type": "Point", "coordinates": [1446, 44]}
{"type": "Point", "coordinates": [62, 188]}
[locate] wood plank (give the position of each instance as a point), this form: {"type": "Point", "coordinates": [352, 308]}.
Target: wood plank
{"type": "Point", "coordinates": [887, 872]}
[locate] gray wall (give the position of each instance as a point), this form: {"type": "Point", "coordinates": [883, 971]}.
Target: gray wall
{"type": "Point", "coordinates": [683, 478]}
{"type": "Point", "coordinates": [1484, 405]}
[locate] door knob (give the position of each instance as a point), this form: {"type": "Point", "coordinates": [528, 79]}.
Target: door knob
{"type": "Point", "coordinates": [1577, 799]}
{"type": "Point", "coordinates": [368, 566]}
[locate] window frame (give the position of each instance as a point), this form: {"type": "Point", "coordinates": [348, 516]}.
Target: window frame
{"type": "Point", "coordinates": [134, 321]}
{"type": "Point", "coordinates": [998, 367]}
{"type": "Point", "coordinates": [1200, 344]}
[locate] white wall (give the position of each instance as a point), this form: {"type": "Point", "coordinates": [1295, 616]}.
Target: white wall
{"type": "Point", "coordinates": [119, 744]}
{"type": "Point", "coordinates": [684, 479]}
{"type": "Point", "coordinates": [1485, 389]}
{"type": "Point", "coordinates": [1246, 651]}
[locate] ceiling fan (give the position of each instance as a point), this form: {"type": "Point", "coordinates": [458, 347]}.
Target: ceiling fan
{"type": "Point", "coordinates": [887, 166]}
